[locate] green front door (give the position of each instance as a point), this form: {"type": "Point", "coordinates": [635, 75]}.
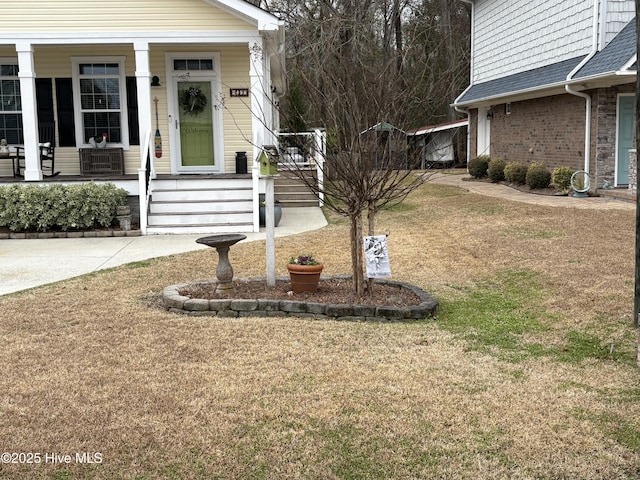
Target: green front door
{"type": "Point", "coordinates": [196, 124]}
{"type": "Point", "coordinates": [626, 106]}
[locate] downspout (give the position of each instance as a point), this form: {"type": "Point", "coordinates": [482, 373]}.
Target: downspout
{"type": "Point", "coordinates": [587, 97]}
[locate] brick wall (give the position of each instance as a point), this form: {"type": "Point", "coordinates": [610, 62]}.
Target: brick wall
{"type": "Point", "coordinates": [604, 103]}
{"type": "Point", "coordinates": [549, 130]}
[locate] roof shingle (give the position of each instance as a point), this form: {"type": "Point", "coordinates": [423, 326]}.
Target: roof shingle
{"type": "Point", "coordinates": [609, 60]}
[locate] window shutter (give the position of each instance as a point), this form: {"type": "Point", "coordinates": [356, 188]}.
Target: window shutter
{"type": "Point", "coordinates": [132, 112]}
{"type": "Point", "coordinates": [44, 99]}
{"type": "Point", "coordinates": [44, 103]}
{"type": "Point", "coordinates": [66, 122]}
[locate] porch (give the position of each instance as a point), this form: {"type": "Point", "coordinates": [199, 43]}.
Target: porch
{"type": "Point", "coordinates": [163, 203]}
{"type": "Point", "coordinates": [178, 204]}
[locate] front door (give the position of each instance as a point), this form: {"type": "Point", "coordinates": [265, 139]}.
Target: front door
{"type": "Point", "coordinates": [626, 107]}
{"type": "Point", "coordinates": [194, 113]}
{"type": "Point", "coordinates": [195, 118]}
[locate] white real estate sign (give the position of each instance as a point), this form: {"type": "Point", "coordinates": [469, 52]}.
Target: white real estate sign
{"type": "Point", "coordinates": [377, 256]}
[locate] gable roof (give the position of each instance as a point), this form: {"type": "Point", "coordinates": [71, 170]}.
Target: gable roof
{"type": "Point", "coordinates": [547, 76]}
{"type": "Point", "coordinates": [249, 12]}
{"type": "Point", "coordinates": [615, 57]}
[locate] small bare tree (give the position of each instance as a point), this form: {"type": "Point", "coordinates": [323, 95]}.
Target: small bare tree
{"type": "Point", "coordinates": [362, 82]}
{"type": "Point", "coordinates": [353, 72]}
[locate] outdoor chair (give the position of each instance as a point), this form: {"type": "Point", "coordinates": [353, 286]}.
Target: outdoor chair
{"type": "Point", "coordinates": [46, 132]}
{"type": "Point", "coordinates": [47, 160]}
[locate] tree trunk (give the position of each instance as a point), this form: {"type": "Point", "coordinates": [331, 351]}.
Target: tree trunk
{"type": "Point", "coordinates": [397, 27]}
{"type": "Point", "coordinates": [357, 260]}
{"type": "Point", "coordinates": [447, 33]}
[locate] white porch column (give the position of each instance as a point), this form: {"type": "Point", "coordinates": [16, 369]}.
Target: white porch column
{"type": "Point", "coordinates": [27, 76]}
{"type": "Point", "coordinates": [258, 95]}
{"type": "Point", "coordinates": [143, 87]}
{"type": "Point", "coordinates": [258, 120]}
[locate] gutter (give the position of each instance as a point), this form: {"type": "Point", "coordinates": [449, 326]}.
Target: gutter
{"type": "Point", "coordinates": [500, 97]}
{"type": "Point", "coordinates": [588, 101]}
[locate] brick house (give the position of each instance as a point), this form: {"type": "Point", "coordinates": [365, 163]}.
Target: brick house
{"type": "Point", "coordinates": [554, 82]}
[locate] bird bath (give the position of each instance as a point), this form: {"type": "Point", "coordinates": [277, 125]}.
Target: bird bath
{"type": "Point", "coordinates": [224, 271]}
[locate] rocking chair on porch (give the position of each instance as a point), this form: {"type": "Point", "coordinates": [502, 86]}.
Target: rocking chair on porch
{"type": "Point", "coordinates": [47, 151]}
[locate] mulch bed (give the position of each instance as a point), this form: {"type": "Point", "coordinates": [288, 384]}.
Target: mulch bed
{"type": "Point", "coordinates": [522, 188]}
{"type": "Point", "coordinates": [330, 291]}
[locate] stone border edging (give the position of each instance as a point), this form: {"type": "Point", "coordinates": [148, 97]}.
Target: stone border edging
{"type": "Point", "coordinates": [82, 234]}
{"type": "Point", "coordinates": [232, 308]}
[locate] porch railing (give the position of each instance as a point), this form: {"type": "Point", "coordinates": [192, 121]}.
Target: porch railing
{"type": "Point", "coordinates": [146, 173]}
{"type": "Point", "coordinates": [305, 151]}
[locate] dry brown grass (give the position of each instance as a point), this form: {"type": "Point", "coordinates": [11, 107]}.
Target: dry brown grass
{"type": "Point", "coordinates": [92, 365]}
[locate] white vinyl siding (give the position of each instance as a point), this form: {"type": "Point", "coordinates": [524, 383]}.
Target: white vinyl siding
{"type": "Point", "coordinates": [512, 36]}
{"type": "Point", "coordinates": [237, 112]}
{"type": "Point", "coordinates": [618, 14]}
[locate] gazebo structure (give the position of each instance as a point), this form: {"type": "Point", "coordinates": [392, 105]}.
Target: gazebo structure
{"type": "Point", "coordinates": [388, 144]}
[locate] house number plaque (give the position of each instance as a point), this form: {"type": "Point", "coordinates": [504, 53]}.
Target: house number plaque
{"type": "Point", "coordinates": [239, 92]}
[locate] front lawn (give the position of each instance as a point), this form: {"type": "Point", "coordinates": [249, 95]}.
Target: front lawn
{"type": "Point", "coordinates": [528, 371]}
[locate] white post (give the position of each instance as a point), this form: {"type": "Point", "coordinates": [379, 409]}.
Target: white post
{"type": "Point", "coordinates": [270, 230]}
{"type": "Point", "coordinates": [256, 74]}
{"type": "Point", "coordinates": [319, 139]}
{"type": "Point", "coordinates": [27, 76]}
{"type": "Point", "coordinates": [143, 88]}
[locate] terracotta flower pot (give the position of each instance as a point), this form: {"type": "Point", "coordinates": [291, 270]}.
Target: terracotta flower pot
{"type": "Point", "coordinates": [304, 278]}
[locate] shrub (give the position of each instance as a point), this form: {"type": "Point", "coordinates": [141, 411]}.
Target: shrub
{"type": "Point", "coordinates": [496, 169]}
{"type": "Point", "coordinates": [561, 178]}
{"type": "Point", "coordinates": [478, 166]}
{"type": "Point", "coordinates": [538, 176]}
{"type": "Point", "coordinates": [41, 208]}
{"type": "Point", "coordinates": [515, 172]}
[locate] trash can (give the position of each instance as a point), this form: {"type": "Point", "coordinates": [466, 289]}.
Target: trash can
{"type": "Point", "coordinates": [241, 162]}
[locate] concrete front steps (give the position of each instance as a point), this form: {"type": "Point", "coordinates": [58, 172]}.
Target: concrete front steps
{"type": "Point", "coordinates": [208, 205]}
{"type": "Point", "coordinates": [292, 191]}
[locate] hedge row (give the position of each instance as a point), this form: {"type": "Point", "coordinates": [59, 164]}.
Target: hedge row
{"type": "Point", "coordinates": [59, 207]}
{"type": "Point", "coordinates": [536, 175]}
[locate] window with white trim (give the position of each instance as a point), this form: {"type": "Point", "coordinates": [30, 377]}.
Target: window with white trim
{"type": "Point", "coordinates": [99, 89]}
{"type": "Point", "coordinates": [11, 103]}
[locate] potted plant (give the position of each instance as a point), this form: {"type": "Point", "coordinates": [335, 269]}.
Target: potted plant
{"type": "Point", "coordinates": [304, 272]}
{"type": "Point", "coordinates": [277, 212]}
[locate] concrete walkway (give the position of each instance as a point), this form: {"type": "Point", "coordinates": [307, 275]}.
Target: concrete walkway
{"type": "Point", "coordinates": [508, 193]}
{"type": "Point", "coordinates": [28, 263]}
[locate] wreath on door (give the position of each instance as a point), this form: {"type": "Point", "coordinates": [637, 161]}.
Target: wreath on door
{"type": "Point", "coordinates": [193, 101]}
